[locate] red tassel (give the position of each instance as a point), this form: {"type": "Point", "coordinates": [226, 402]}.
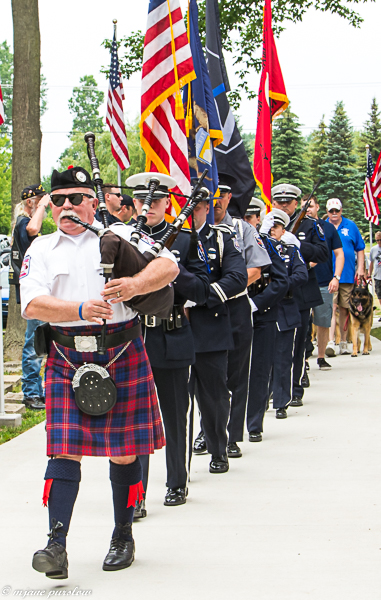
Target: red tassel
{"type": "Point", "coordinates": [135, 494]}
{"type": "Point", "coordinates": [47, 486]}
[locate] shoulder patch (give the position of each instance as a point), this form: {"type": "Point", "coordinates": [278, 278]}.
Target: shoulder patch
{"type": "Point", "coordinates": [25, 267]}
{"type": "Point", "coordinates": [236, 244]}
{"type": "Point", "coordinates": [258, 239]}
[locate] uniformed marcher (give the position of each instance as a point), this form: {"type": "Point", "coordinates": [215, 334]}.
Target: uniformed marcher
{"type": "Point", "coordinates": [313, 248]}
{"type": "Point", "coordinates": [265, 294]}
{"type": "Point", "coordinates": [288, 318]}
{"type": "Point", "coordinates": [169, 342]}
{"type": "Point", "coordinates": [255, 257]}
{"type": "Point", "coordinates": [213, 335]}
{"type": "Point", "coordinates": [61, 285]}
{"type": "Point", "coordinates": [253, 212]}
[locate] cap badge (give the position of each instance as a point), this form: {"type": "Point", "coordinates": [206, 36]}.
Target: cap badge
{"type": "Point", "coordinates": [80, 176]}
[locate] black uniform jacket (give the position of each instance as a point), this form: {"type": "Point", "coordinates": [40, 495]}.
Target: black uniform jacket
{"type": "Point", "coordinates": [175, 349]}
{"type": "Point", "coordinates": [227, 277]}
{"type": "Point", "coordinates": [313, 249]}
{"type": "Point", "coordinates": [288, 309]}
{"type": "Point", "coordinates": [268, 300]}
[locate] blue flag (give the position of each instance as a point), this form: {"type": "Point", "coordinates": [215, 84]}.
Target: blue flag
{"type": "Point", "coordinates": [202, 121]}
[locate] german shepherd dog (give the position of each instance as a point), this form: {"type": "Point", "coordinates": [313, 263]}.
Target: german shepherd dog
{"type": "Point", "coordinates": [361, 314]}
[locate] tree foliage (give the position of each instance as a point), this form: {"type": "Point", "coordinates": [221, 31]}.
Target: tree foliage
{"type": "Point", "coordinates": [5, 184]}
{"type": "Point", "coordinates": [370, 135]}
{"type": "Point", "coordinates": [317, 149]}
{"type": "Point", "coordinates": [84, 104]}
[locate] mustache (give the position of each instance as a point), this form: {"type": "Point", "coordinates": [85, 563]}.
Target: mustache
{"type": "Point", "coordinates": [66, 213]}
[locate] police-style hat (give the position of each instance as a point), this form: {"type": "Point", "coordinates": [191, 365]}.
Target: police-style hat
{"type": "Point", "coordinates": [255, 207]}
{"type": "Point", "coordinates": [140, 184]}
{"type": "Point", "coordinates": [334, 203]}
{"type": "Point", "coordinates": [31, 191]}
{"type": "Point", "coordinates": [126, 200]}
{"type": "Point", "coordinates": [74, 177]}
{"type": "Point", "coordinates": [283, 192]}
{"type": "Point", "coordinates": [280, 217]}
{"type": "Point", "coordinates": [226, 182]}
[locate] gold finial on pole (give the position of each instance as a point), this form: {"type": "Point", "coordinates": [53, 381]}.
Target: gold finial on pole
{"type": "Point", "coordinates": [115, 22]}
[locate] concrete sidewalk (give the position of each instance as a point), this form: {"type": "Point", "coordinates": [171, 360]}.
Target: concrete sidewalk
{"type": "Point", "coordinates": [297, 517]}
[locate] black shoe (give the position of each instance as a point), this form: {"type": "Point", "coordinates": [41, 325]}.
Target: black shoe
{"type": "Point", "coordinates": [307, 366]}
{"type": "Point", "coordinates": [175, 496]}
{"type": "Point", "coordinates": [52, 561]}
{"type": "Point", "coordinates": [199, 446]}
{"type": "Point", "coordinates": [323, 365]}
{"type": "Point", "coordinates": [281, 413]}
{"type": "Point", "coordinates": [219, 464]}
{"type": "Point", "coordinates": [34, 403]}
{"type": "Point", "coordinates": [122, 552]}
{"type": "Point", "coordinates": [296, 401]}
{"type": "Point", "coordinates": [140, 510]}
{"type": "Point", "coordinates": [255, 436]}
{"type": "Point", "coordinates": [305, 380]}
{"type": "Point", "coordinates": [234, 451]}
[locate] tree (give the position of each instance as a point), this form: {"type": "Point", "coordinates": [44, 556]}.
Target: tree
{"type": "Point", "coordinates": [340, 178]}
{"type": "Point", "coordinates": [371, 135]}
{"type": "Point", "coordinates": [84, 104]}
{"type": "Point", "coordinates": [241, 24]}
{"type": "Point", "coordinates": [5, 184]}
{"type": "Point", "coordinates": [26, 132]}
{"type": "Point", "coordinates": [317, 149]}
{"type": "Point", "coordinates": [288, 163]}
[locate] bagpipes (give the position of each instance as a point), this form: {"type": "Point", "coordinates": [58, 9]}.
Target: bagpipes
{"type": "Point", "coordinates": [120, 258]}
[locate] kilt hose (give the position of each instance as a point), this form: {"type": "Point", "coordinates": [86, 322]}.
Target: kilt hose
{"type": "Point", "coordinates": [132, 427]}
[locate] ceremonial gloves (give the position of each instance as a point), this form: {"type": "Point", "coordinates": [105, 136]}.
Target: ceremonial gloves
{"type": "Point", "coordinates": [267, 223]}
{"type": "Point", "coordinates": [290, 239]}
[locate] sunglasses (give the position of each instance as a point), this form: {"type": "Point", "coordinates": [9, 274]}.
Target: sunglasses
{"type": "Point", "coordinates": [334, 211]}
{"type": "Point", "coordinates": [74, 199]}
{"type": "Point", "coordinates": [119, 195]}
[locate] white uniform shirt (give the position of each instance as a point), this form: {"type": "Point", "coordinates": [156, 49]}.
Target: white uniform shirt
{"type": "Point", "coordinates": [68, 267]}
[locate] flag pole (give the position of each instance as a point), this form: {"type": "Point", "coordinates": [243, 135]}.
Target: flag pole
{"type": "Point", "coordinates": [370, 223]}
{"type": "Point", "coordinates": [118, 167]}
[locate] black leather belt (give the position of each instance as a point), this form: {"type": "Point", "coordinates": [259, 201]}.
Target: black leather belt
{"type": "Point", "coordinates": [174, 321]}
{"type": "Point", "coordinates": [90, 343]}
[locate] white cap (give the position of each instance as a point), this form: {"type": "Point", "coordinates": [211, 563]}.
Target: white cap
{"type": "Point", "coordinates": [255, 206]}
{"type": "Point", "coordinates": [140, 184]}
{"type": "Point", "coordinates": [334, 203]}
{"type": "Point", "coordinates": [283, 192]}
{"type": "Point", "coordinates": [280, 217]}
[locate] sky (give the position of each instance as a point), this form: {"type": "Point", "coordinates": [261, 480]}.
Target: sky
{"type": "Point", "coordinates": [323, 59]}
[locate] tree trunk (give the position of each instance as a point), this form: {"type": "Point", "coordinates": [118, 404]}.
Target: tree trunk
{"type": "Point", "coordinates": [26, 132]}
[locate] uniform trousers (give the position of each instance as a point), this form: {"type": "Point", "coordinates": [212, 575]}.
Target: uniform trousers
{"type": "Point", "coordinates": [282, 368]}
{"type": "Point", "coordinates": [262, 358]}
{"type": "Point", "coordinates": [209, 374]}
{"type": "Point", "coordinates": [239, 365]}
{"type": "Point", "coordinates": [299, 353]}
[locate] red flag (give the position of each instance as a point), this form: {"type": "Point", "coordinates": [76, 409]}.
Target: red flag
{"type": "Point", "coordinates": [2, 113]}
{"type": "Point", "coordinates": [272, 101]}
{"type": "Point", "coordinates": [372, 189]}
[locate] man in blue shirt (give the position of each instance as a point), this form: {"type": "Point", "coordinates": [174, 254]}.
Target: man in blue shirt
{"type": "Point", "coordinates": [352, 244]}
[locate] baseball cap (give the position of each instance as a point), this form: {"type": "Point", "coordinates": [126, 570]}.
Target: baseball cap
{"type": "Point", "coordinates": [334, 203]}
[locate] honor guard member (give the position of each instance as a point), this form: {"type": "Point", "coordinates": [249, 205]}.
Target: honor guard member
{"type": "Point", "coordinates": [169, 342]}
{"type": "Point", "coordinates": [61, 285]}
{"type": "Point", "coordinates": [253, 212]}
{"type": "Point", "coordinates": [255, 257]}
{"type": "Point", "coordinates": [265, 294]}
{"type": "Point", "coordinates": [288, 317]}
{"type": "Point", "coordinates": [213, 335]}
{"type": "Point", "coordinates": [313, 248]}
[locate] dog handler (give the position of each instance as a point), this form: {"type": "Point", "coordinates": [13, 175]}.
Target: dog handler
{"type": "Point", "coordinates": [61, 284]}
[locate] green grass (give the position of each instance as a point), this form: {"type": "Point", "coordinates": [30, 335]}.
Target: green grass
{"type": "Point", "coordinates": [376, 332]}
{"type": "Point", "coordinates": [29, 419]}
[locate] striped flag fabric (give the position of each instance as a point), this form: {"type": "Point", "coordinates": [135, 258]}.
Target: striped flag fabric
{"type": "Point", "coordinates": [115, 116]}
{"type": "Point", "coordinates": [167, 66]}
{"type": "Point", "coordinates": [2, 113]}
{"type": "Point", "coordinates": [372, 189]}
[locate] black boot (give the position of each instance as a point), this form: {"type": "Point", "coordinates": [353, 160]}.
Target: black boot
{"type": "Point", "coordinates": [53, 559]}
{"type": "Point", "coordinates": [122, 549]}
{"type": "Point", "coordinates": [199, 446]}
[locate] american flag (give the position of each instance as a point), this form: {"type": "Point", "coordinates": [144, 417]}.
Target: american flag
{"type": "Point", "coordinates": [167, 66]}
{"type": "Point", "coordinates": [115, 117]}
{"type": "Point", "coordinates": [372, 189]}
{"type": "Point", "coordinates": [2, 113]}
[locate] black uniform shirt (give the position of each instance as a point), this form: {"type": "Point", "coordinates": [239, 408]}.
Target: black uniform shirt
{"type": "Point", "coordinates": [288, 310]}
{"type": "Point", "coordinates": [267, 301]}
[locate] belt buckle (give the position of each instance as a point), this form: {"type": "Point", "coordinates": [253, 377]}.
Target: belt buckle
{"type": "Point", "coordinates": [150, 321]}
{"type": "Point", "coordinates": [85, 343]}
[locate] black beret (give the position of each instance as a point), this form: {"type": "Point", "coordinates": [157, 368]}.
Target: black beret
{"type": "Point", "coordinates": [126, 200]}
{"type": "Point", "coordinates": [74, 177]}
{"type": "Point", "coordinates": [31, 191]}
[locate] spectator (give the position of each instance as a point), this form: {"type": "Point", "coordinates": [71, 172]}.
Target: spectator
{"type": "Point", "coordinates": [28, 217]}
{"type": "Point", "coordinates": [352, 244]}
{"type": "Point", "coordinates": [375, 265]}
{"type": "Point", "coordinates": [328, 280]}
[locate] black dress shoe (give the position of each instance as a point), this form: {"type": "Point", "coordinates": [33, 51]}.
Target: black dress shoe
{"type": "Point", "coordinates": [199, 446]}
{"type": "Point", "coordinates": [140, 510]}
{"type": "Point", "coordinates": [281, 413]}
{"type": "Point", "coordinates": [52, 561]}
{"type": "Point", "coordinates": [122, 552]}
{"type": "Point", "coordinates": [296, 401]}
{"type": "Point", "coordinates": [234, 451]}
{"type": "Point", "coordinates": [305, 380]}
{"type": "Point", "coordinates": [34, 403]}
{"type": "Point", "coordinates": [219, 464]}
{"type": "Point", "coordinates": [255, 436]}
{"type": "Point", "coordinates": [175, 496]}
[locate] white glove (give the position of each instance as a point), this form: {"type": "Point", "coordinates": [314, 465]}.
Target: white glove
{"type": "Point", "coordinates": [254, 307]}
{"type": "Point", "coordinates": [290, 239]}
{"type": "Point", "coordinates": [267, 223]}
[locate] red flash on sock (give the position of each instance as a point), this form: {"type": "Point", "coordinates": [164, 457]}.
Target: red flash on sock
{"type": "Point", "coordinates": [135, 494]}
{"type": "Point", "coordinates": [47, 486]}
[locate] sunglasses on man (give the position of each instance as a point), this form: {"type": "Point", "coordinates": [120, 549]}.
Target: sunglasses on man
{"type": "Point", "coordinates": [74, 199]}
{"type": "Point", "coordinates": [334, 211]}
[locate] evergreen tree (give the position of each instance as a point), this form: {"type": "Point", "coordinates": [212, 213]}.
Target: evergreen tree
{"type": "Point", "coordinates": [340, 178]}
{"type": "Point", "coordinates": [371, 135]}
{"type": "Point", "coordinates": [317, 149]}
{"type": "Point", "coordinates": [84, 104]}
{"type": "Point", "coordinates": [288, 163]}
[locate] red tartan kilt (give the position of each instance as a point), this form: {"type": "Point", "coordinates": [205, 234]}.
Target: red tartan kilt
{"type": "Point", "coordinates": [132, 427]}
